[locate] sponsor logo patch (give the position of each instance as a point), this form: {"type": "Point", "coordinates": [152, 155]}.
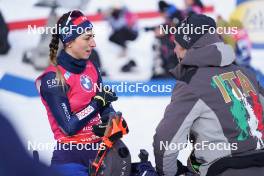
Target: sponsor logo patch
{"type": "Point", "coordinates": [86, 83]}
{"type": "Point", "coordinates": [82, 114]}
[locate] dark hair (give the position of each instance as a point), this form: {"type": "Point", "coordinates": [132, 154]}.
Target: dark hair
{"type": "Point", "coordinates": [198, 3]}
{"type": "Point", "coordinates": [163, 6]}
{"type": "Point", "coordinates": [116, 13]}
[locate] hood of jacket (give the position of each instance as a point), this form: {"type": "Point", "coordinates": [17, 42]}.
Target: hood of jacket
{"type": "Point", "coordinates": [208, 51]}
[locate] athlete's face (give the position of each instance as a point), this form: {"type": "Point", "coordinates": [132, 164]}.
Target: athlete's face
{"type": "Point", "coordinates": [179, 51]}
{"type": "Point", "coordinates": [82, 46]}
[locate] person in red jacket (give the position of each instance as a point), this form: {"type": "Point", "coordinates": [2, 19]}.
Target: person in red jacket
{"type": "Point", "coordinates": [69, 93]}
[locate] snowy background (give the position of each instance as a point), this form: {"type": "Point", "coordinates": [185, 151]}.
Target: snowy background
{"type": "Point", "coordinates": [142, 113]}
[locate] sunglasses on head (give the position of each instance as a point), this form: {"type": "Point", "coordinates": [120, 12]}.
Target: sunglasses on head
{"type": "Point", "coordinates": [73, 14]}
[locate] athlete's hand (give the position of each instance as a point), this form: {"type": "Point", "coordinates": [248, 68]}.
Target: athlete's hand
{"type": "Point", "coordinates": [104, 97]}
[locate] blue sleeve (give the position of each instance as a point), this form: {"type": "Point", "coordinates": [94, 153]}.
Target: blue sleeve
{"type": "Point", "coordinates": [59, 105]}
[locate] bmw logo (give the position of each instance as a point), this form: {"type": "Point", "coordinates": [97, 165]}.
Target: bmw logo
{"type": "Point", "coordinates": [86, 83]}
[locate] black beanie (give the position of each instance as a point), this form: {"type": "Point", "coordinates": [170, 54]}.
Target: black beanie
{"type": "Point", "coordinates": [163, 6]}
{"type": "Point", "coordinates": [195, 21]}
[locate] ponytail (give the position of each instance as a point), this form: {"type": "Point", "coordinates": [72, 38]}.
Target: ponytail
{"type": "Point", "coordinates": [54, 46]}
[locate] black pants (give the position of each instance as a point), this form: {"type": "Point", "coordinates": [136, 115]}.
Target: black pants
{"type": "Point", "coordinates": [252, 164]}
{"type": "Point", "coordinates": [71, 154]}
{"type": "Point", "coordinates": [122, 35]}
